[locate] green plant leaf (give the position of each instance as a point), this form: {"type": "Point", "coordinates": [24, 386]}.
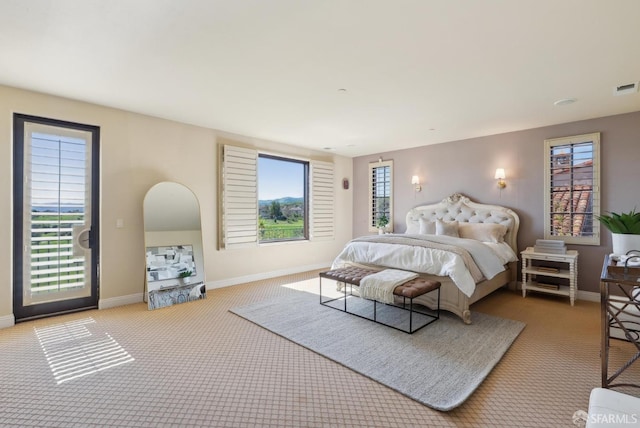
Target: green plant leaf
{"type": "Point", "coordinates": [626, 223]}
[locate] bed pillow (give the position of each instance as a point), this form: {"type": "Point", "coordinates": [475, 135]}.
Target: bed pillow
{"type": "Point", "coordinates": [427, 227]}
{"type": "Point", "coordinates": [485, 232]}
{"type": "Point", "coordinates": [448, 228]}
{"type": "Point", "coordinates": [412, 228]}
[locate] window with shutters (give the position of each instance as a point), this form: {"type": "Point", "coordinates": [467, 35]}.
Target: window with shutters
{"type": "Point", "coordinates": [381, 194]}
{"type": "Point", "coordinates": [572, 189]}
{"type": "Point", "coordinates": [268, 198]}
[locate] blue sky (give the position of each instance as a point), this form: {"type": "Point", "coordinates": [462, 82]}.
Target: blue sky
{"type": "Point", "coordinates": [279, 179]}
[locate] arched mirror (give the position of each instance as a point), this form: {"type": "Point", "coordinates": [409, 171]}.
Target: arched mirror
{"type": "Point", "coordinates": [173, 246]}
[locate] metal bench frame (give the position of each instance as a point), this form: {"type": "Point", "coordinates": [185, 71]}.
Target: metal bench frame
{"type": "Point", "coordinates": [431, 317]}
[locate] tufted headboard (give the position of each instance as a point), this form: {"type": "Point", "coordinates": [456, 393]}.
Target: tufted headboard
{"type": "Point", "coordinates": [459, 208]}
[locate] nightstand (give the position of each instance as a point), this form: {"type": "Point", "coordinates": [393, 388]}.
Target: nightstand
{"type": "Point", "coordinates": [533, 276]}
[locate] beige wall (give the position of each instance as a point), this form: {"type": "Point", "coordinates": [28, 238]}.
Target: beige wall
{"type": "Point", "coordinates": [468, 167]}
{"type": "Point", "coordinates": [137, 152]}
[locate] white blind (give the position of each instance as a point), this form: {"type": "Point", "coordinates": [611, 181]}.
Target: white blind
{"type": "Point", "coordinates": [57, 176]}
{"type": "Point", "coordinates": [322, 200]}
{"type": "Point", "coordinates": [239, 197]}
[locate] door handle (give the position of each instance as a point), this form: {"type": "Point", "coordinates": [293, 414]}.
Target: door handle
{"type": "Point", "coordinates": [81, 240]}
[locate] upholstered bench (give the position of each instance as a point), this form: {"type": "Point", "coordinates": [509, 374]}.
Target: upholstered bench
{"type": "Point", "coordinates": [409, 290]}
{"type": "Point", "coordinates": [608, 408]}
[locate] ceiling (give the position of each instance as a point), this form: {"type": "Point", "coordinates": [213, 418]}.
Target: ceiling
{"type": "Point", "coordinates": [353, 77]}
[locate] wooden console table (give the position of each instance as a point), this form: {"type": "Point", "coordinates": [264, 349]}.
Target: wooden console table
{"type": "Point", "coordinates": [620, 309]}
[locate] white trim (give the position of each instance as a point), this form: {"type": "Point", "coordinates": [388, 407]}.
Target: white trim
{"type": "Point", "coordinates": [587, 296]}
{"type": "Point", "coordinates": [120, 301]}
{"type": "Point", "coordinates": [265, 275]}
{"type": "Point", "coordinates": [7, 321]}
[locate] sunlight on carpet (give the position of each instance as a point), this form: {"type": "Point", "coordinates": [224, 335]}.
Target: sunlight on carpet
{"type": "Point", "coordinates": [73, 351]}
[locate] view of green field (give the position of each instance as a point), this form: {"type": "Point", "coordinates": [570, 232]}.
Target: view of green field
{"type": "Point", "coordinates": [271, 229]}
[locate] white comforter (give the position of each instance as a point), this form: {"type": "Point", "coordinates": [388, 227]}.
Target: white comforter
{"type": "Point", "coordinates": [429, 260]}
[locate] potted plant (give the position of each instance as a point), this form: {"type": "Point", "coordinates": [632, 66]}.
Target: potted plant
{"type": "Point", "coordinates": [185, 276]}
{"type": "Point", "coordinates": [625, 230]}
{"type": "Point", "coordinates": [382, 223]}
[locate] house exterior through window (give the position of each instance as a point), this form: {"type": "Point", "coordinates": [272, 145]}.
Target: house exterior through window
{"type": "Point", "coordinates": [572, 189]}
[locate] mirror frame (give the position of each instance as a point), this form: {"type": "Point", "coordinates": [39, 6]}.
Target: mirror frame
{"type": "Point", "coordinates": [178, 224]}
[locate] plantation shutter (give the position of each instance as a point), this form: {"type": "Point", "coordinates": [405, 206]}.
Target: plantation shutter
{"type": "Point", "coordinates": [239, 197]}
{"type": "Point", "coordinates": [572, 189]}
{"type": "Point", "coordinates": [322, 200]}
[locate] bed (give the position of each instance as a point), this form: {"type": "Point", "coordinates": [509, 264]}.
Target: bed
{"type": "Point", "coordinates": [479, 225]}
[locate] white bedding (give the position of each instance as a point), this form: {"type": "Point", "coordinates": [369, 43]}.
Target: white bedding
{"type": "Point", "coordinates": [490, 258]}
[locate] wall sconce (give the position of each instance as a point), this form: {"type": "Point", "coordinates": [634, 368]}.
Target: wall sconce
{"type": "Point", "coordinates": [415, 180]}
{"type": "Point", "coordinates": [500, 176]}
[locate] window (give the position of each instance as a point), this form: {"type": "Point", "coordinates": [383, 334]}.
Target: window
{"type": "Point", "coordinates": [282, 199]}
{"type": "Point", "coordinates": [268, 198]}
{"type": "Point", "coordinates": [380, 194]}
{"type": "Point", "coordinates": [572, 189]}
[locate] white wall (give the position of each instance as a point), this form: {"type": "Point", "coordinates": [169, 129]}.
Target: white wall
{"type": "Point", "coordinates": [137, 152]}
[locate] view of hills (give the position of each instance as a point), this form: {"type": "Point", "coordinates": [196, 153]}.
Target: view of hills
{"type": "Point", "coordinates": [282, 201]}
{"type": "Point", "coordinates": [55, 208]}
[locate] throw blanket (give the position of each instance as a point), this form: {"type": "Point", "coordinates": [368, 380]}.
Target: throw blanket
{"type": "Point", "coordinates": [426, 254]}
{"type": "Point", "coordinates": [379, 286]}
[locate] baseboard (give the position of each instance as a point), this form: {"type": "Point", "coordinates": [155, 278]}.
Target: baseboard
{"type": "Point", "coordinates": [7, 321]}
{"type": "Point", "coordinates": [588, 296]}
{"type": "Point", "coordinates": [120, 301]}
{"type": "Point", "coordinates": [264, 275]}
{"type": "Point", "coordinates": [138, 298]}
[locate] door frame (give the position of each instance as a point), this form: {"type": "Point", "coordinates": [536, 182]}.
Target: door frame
{"type": "Point", "coordinates": [25, 313]}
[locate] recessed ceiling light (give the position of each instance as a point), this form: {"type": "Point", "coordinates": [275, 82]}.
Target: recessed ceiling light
{"type": "Point", "coordinates": [328, 148]}
{"type": "Point", "coordinates": [565, 101]}
{"type": "Point", "coordinates": [342, 90]}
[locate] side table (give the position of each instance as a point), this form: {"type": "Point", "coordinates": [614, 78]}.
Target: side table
{"type": "Point", "coordinates": [619, 309]}
{"type": "Point", "coordinates": [532, 275]}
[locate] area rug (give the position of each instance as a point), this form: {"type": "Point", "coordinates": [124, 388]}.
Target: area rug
{"type": "Point", "coordinates": [439, 366]}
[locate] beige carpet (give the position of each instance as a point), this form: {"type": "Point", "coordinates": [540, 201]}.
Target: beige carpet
{"type": "Point", "coordinates": [199, 365]}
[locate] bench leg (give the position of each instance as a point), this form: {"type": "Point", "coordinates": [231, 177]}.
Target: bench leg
{"type": "Point", "coordinates": [345, 296]}
{"type": "Point", "coordinates": [411, 315]}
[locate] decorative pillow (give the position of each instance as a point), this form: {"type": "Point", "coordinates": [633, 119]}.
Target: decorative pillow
{"type": "Point", "coordinates": [427, 227]}
{"type": "Point", "coordinates": [485, 232]}
{"type": "Point", "coordinates": [412, 228]}
{"type": "Point", "coordinates": [448, 228]}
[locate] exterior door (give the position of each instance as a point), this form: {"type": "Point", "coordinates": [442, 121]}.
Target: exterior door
{"type": "Point", "coordinates": [55, 217]}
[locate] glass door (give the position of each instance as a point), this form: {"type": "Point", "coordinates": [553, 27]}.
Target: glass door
{"type": "Point", "coordinates": [55, 213]}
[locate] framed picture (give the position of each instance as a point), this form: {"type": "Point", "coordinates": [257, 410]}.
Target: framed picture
{"type": "Point", "coordinates": [169, 262]}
